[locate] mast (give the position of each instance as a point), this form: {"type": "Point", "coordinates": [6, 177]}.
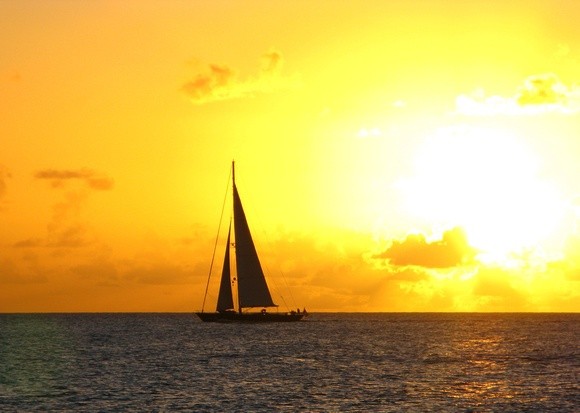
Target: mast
{"type": "Point", "coordinates": [235, 234]}
{"type": "Point", "coordinates": [233, 173]}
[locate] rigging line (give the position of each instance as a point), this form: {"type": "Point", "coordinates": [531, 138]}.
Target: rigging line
{"type": "Point", "coordinates": [264, 262]}
{"type": "Point", "coordinates": [216, 241]}
{"type": "Point", "coordinates": [278, 267]}
{"type": "Point", "coordinates": [278, 290]}
{"type": "Point", "coordinates": [286, 285]}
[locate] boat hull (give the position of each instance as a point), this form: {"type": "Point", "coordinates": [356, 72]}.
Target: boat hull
{"type": "Point", "coordinates": [233, 317]}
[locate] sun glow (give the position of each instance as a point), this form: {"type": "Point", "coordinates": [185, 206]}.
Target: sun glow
{"type": "Point", "coordinates": [488, 183]}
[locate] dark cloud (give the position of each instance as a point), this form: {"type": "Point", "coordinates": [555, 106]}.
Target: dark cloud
{"type": "Point", "coordinates": [70, 236]}
{"type": "Point", "coordinates": [220, 82]}
{"type": "Point", "coordinates": [103, 272]}
{"type": "Point", "coordinates": [543, 89]}
{"type": "Point", "coordinates": [4, 176]}
{"type": "Point", "coordinates": [213, 85]}
{"type": "Point", "coordinates": [542, 93]}
{"type": "Point", "coordinates": [452, 250]}
{"type": "Point", "coordinates": [408, 274]}
{"type": "Point", "coordinates": [66, 228]}
{"type": "Point", "coordinates": [11, 273]}
{"type": "Point", "coordinates": [58, 178]}
{"type": "Point", "coordinates": [272, 62]}
{"type": "Point", "coordinates": [493, 282]}
{"type": "Point", "coordinates": [160, 274]}
{"type": "Point", "coordinates": [29, 243]}
{"type": "Point", "coordinates": [493, 286]}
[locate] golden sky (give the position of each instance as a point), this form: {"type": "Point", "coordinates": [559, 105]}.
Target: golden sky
{"type": "Point", "coordinates": [391, 155]}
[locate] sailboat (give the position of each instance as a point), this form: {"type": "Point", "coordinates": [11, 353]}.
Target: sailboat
{"type": "Point", "coordinates": [252, 290]}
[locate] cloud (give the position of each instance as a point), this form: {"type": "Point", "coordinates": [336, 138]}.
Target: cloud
{"type": "Point", "coordinates": [495, 282]}
{"type": "Point", "coordinates": [542, 90]}
{"type": "Point", "coordinates": [221, 82]}
{"type": "Point", "coordinates": [103, 272]}
{"type": "Point", "coordinates": [71, 236]}
{"type": "Point", "coordinates": [108, 272]}
{"type": "Point", "coordinates": [408, 274]}
{"type": "Point", "coordinates": [215, 85]}
{"type": "Point", "coordinates": [543, 93]}
{"type": "Point", "coordinates": [29, 243]}
{"type": "Point", "coordinates": [66, 228]}
{"type": "Point", "coordinates": [452, 250]}
{"type": "Point", "coordinates": [59, 177]}
{"type": "Point", "coordinates": [160, 274]}
{"type": "Point", "coordinates": [11, 273]}
{"type": "Point", "coordinates": [272, 63]}
{"type": "Point", "coordinates": [4, 176]}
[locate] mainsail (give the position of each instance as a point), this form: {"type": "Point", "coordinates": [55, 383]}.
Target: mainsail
{"type": "Point", "coordinates": [225, 298]}
{"type": "Point", "coordinates": [252, 288]}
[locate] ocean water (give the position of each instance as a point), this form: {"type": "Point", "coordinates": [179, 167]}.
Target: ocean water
{"type": "Point", "coordinates": [329, 363]}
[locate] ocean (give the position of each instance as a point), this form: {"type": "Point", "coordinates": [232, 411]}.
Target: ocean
{"type": "Point", "coordinates": [383, 362]}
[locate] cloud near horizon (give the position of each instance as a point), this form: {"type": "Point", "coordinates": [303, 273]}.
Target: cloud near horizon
{"type": "Point", "coordinates": [20, 270]}
{"type": "Point", "coordinates": [67, 228]}
{"type": "Point", "coordinates": [340, 279]}
{"type": "Point", "coordinates": [4, 176]}
{"type": "Point", "coordinates": [452, 250]}
{"type": "Point", "coordinates": [93, 179]}
{"type": "Point", "coordinates": [221, 82]}
{"type": "Point", "coordinates": [542, 93]}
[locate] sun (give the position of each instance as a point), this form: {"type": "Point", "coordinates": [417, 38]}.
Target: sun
{"type": "Point", "coordinates": [487, 182]}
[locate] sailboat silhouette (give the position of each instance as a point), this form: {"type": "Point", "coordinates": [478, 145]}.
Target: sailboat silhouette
{"type": "Point", "coordinates": [252, 289]}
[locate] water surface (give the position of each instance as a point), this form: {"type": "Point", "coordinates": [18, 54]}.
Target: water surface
{"type": "Point", "coordinates": [332, 362]}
